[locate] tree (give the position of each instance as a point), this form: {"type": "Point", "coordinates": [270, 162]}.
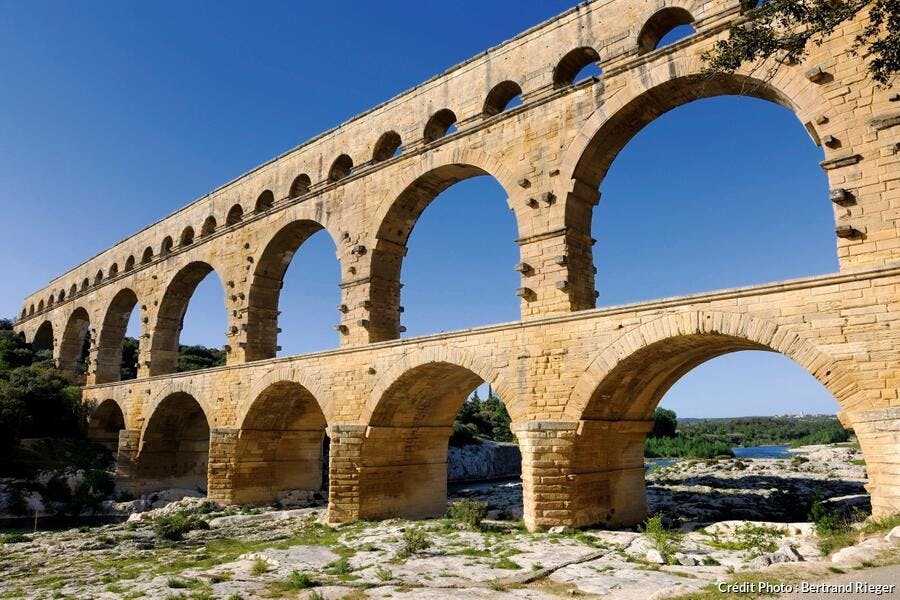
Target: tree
{"type": "Point", "coordinates": [665, 423]}
{"type": "Point", "coordinates": [128, 366]}
{"type": "Point", "coordinates": [784, 29]}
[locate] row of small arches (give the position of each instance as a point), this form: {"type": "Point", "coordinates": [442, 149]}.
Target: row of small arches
{"type": "Point", "coordinates": [502, 96]}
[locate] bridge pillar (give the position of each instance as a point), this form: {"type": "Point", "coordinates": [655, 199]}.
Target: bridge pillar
{"type": "Point", "coordinates": [344, 456]}
{"type": "Point", "coordinates": [126, 455]}
{"type": "Point", "coordinates": [878, 432]}
{"type": "Point", "coordinates": [582, 473]}
{"type": "Point", "coordinates": [221, 470]}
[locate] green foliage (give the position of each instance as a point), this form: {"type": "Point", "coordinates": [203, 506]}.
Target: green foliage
{"type": "Point", "coordinates": [486, 419]}
{"type": "Point", "coordinates": [686, 447]}
{"type": "Point", "coordinates": [128, 366]}
{"type": "Point", "coordinates": [38, 402]}
{"type": "Point", "coordinates": [763, 431]}
{"type": "Point", "coordinates": [193, 358]}
{"type": "Point", "coordinates": [826, 518]}
{"type": "Point", "coordinates": [383, 574]}
{"type": "Point", "coordinates": [664, 540]}
{"type": "Point", "coordinates": [14, 538]}
{"type": "Point", "coordinates": [665, 423]}
{"type": "Point", "coordinates": [749, 537]}
{"type": "Point", "coordinates": [95, 487]}
{"type": "Point", "coordinates": [339, 567]}
{"type": "Point", "coordinates": [173, 527]}
{"type": "Point", "coordinates": [784, 30]}
{"type": "Point", "coordinates": [415, 541]}
{"type": "Point", "coordinates": [470, 512]}
{"type": "Point", "coordinates": [297, 581]}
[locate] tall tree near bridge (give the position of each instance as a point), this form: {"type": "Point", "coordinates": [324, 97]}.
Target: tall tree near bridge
{"type": "Point", "coordinates": [785, 29]}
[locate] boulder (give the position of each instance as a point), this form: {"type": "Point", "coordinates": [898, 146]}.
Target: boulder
{"type": "Point", "coordinates": [893, 535]}
{"type": "Point", "coordinates": [653, 556]}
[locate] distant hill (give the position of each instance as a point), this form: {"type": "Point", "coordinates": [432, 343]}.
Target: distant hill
{"type": "Point", "coordinates": [758, 431]}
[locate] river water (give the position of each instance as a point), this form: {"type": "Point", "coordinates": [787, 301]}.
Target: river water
{"type": "Point", "coordinates": [748, 452]}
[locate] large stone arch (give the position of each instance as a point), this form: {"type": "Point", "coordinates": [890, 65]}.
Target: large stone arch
{"type": "Point", "coordinates": [174, 445]}
{"type": "Point", "coordinates": [112, 334]}
{"type": "Point", "coordinates": [264, 292]}
{"type": "Point", "coordinates": [279, 447]}
{"type": "Point", "coordinates": [403, 459]}
{"type": "Point", "coordinates": [396, 216]}
{"type": "Point", "coordinates": [648, 94]}
{"type": "Point", "coordinates": [71, 345]}
{"type": "Point", "coordinates": [166, 331]}
{"type": "Point", "coordinates": [444, 354]}
{"type": "Point", "coordinates": [310, 382]}
{"type": "Point", "coordinates": [641, 357]}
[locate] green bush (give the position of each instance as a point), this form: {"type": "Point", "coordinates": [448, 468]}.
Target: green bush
{"type": "Point", "coordinates": [298, 581]}
{"type": "Point", "coordinates": [827, 519]}
{"type": "Point", "coordinates": [415, 541]}
{"type": "Point", "coordinates": [470, 512]}
{"type": "Point", "coordinates": [14, 538]}
{"type": "Point", "coordinates": [174, 526]}
{"type": "Point", "coordinates": [686, 447]}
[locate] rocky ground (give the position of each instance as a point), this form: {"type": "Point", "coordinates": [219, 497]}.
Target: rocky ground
{"type": "Point", "coordinates": [722, 518]}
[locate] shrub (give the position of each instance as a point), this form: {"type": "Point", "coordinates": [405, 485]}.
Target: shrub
{"type": "Point", "coordinates": [383, 574]}
{"type": "Point", "coordinates": [827, 519]}
{"type": "Point", "coordinates": [415, 541]}
{"type": "Point", "coordinates": [796, 461]}
{"type": "Point", "coordinates": [14, 538]}
{"type": "Point", "coordinates": [664, 540]}
{"type": "Point", "coordinates": [174, 526]}
{"type": "Point", "coordinates": [470, 512]}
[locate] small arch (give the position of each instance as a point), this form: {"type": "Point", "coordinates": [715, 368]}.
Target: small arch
{"type": "Point", "coordinates": [105, 424]}
{"type": "Point", "coordinates": [50, 300]}
{"type": "Point", "coordinates": [235, 215]}
{"type": "Point", "coordinates": [265, 201]}
{"type": "Point", "coordinates": [209, 226]}
{"type": "Point", "coordinates": [62, 295]}
{"type": "Point", "coordinates": [441, 123]}
{"type": "Point", "coordinates": [41, 305]}
{"type": "Point", "coordinates": [187, 236]}
{"type": "Point", "coordinates": [85, 284]}
{"type": "Point", "coordinates": [166, 247]}
{"type": "Point", "coordinates": [174, 447]}
{"type": "Point", "coordinates": [129, 263]}
{"type": "Point", "coordinates": [388, 145]}
{"type": "Point", "coordinates": [24, 313]}
{"type": "Point", "coordinates": [113, 270]}
{"type": "Point", "coordinates": [340, 168]}
{"type": "Point", "coordinates": [300, 185]}
{"type": "Point", "coordinates": [31, 310]}
{"type": "Point", "coordinates": [659, 25]}
{"type": "Point", "coordinates": [570, 65]}
{"type": "Point", "coordinates": [147, 256]}
{"type": "Point", "coordinates": [501, 97]}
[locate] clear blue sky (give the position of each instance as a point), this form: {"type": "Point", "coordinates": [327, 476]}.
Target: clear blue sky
{"type": "Point", "coordinates": [115, 114]}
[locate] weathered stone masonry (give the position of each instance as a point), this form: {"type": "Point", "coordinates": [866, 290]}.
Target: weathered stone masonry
{"type": "Point", "coordinates": [580, 383]}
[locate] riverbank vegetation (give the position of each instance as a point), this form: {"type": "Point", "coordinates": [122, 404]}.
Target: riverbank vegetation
{"type": "Point", "coordinates": [709, 438]}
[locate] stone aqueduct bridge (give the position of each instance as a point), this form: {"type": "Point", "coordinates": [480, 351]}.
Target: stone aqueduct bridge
{"type": "Point", "coordinates": [580, 383]}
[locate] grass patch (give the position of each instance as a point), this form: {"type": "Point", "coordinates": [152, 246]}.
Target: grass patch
{"type": "Point", "coordinates": [506, 563]}
{"type": "Point", "coordinates": [260, 566]}
{"type": "Point", "coordinates": [749, 537]}
{"type": "Point", "coordinates": [183, 583]}
{"type": "Point", "coordinates": [173, 527]}
{"type": "Point", "coordinates": [297, 581]}
{"type": "Point", "coordinates": [383, 574]}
